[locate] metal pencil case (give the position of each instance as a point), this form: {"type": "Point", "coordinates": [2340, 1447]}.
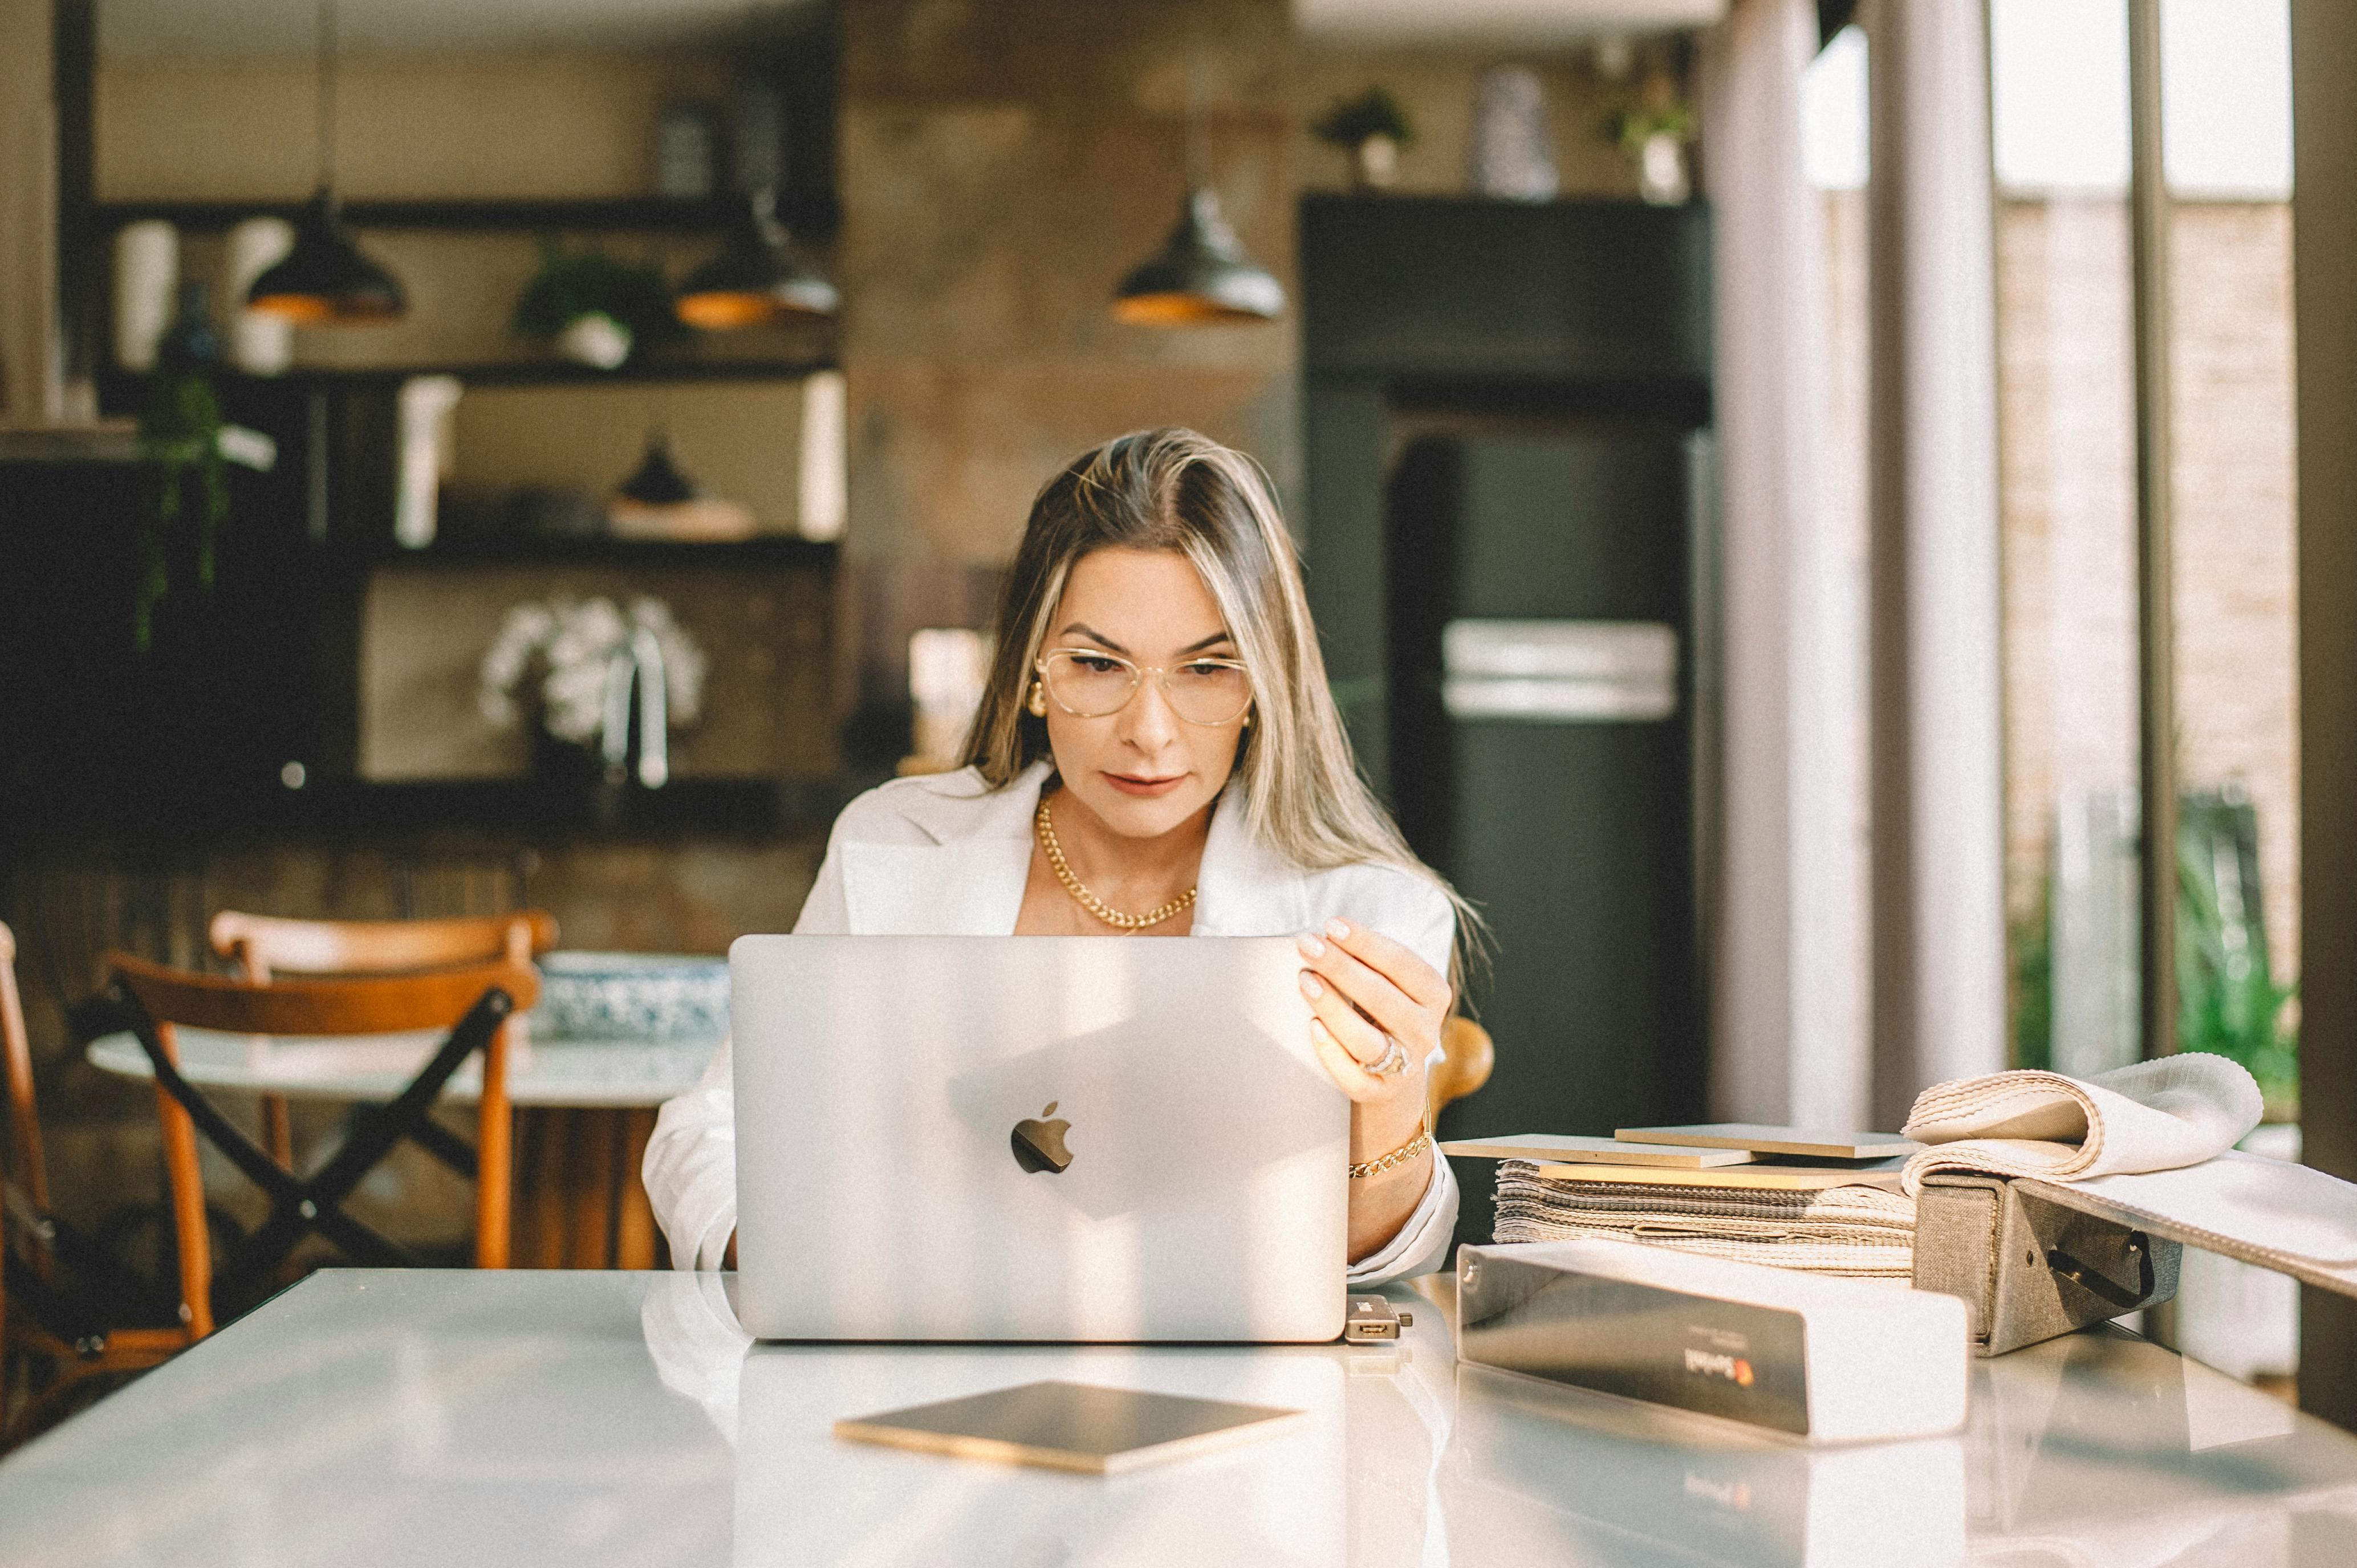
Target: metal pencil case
{"type": "Point", "coordinates": [2036, 1258]}
{"type": "Point", "coordinates": [2029, 1265]}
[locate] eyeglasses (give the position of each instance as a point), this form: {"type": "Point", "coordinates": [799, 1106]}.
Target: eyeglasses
{"type": "Point", "coordinates": [1089, 684]}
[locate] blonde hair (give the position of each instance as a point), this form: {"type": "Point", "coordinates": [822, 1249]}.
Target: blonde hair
{"type": "Point", "coordinates": [1295, 777]}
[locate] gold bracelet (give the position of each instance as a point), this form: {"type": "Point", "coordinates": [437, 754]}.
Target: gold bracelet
{"type": "Point", "coordinates": [1399, 1157]}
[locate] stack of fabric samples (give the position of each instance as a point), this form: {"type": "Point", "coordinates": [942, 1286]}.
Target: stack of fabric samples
{"type": "Point", "coordinates": [1826, 1204]}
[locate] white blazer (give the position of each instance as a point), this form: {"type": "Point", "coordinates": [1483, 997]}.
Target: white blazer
{"type": "Point", "coordinates": [947, 856]}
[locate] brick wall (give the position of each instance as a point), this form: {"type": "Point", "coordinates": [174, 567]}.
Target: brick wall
{"type": "Point", "coordinates": [2066, 411]}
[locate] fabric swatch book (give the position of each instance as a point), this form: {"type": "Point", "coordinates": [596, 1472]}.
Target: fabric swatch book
{"type": "Point", "coordinates": [1848, 1228]}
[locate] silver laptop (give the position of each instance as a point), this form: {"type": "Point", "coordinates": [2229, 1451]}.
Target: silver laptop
{"type": "Point", "coordinates": [1048, 1138]}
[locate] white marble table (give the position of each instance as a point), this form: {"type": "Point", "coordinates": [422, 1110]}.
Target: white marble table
{"type": "Point", "coordinates": [382, 1417]}
{"type": "Point", "coordinates": [581, 1074]}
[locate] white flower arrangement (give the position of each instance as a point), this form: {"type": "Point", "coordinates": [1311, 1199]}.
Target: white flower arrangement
{"type": "Point", "coordinates": [578, 641]}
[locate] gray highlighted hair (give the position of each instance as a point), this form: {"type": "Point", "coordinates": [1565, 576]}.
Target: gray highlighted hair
{"type": "Point", "coordinates": [1296, 779]}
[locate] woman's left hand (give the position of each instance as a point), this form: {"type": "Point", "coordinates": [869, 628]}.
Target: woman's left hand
{"type": "Point", "coordinates": [1365, 991]}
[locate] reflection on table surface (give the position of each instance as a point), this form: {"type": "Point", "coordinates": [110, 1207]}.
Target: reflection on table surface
{"type": "Point", "coordinates": [584, 1418]}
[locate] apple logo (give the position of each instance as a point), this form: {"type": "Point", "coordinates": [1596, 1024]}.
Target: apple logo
{"type": "Point", "coordinates": [1038, 1144]}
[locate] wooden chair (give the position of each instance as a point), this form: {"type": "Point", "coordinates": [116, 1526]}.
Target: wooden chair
{"type": "Point", "coordinates": [473, 1002]}
{"type": "Point", "coordinates": [264, 945]}
{"type": "Point", "coordinates": [64, 1329]}
{"type": "Point", "coordinates": [259, 946]}
{"type": "Point", "coordinates": [1468, 1056]}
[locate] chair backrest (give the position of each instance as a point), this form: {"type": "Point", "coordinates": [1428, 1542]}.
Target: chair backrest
{"type": "Point", "coordinates": [364, 1004]}
{"type": "Point", "coordinates": [264, 945]}
{"type": "Point", "coordinates": [1467, 1057]}
{"type": "Point", "coordinates": [25, 1166]}
{"type": "Point", "coordinates": [368, 1004]}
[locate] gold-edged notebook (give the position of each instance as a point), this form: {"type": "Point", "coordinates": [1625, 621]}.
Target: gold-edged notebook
{"type": "Point", "coordinates": [1802, 1142]}
{"type": "Point", "coordinates": [1571, 1148]}
{"type": "Point", "coordinates": [1072, 1426]}
{"type": "Point", "coordinates": [1883, 1174]}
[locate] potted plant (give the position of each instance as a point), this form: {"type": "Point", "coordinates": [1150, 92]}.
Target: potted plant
{"type": "Point", "coordinates": [185, 486]}
{"type": "Point", "coordinates": [574, 665]}
{"type": "Point", "coordinates": [594, 308]}
{"type": "Point", "coordinates": [1372, 128]}
{"type": "Point", "coordinates": [1652, 133]}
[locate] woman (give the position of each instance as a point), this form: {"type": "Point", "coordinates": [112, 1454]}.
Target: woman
{"type": "Point", "coordinates": [1156, 755]}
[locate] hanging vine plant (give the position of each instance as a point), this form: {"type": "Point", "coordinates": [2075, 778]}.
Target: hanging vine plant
{"type": "Point", "coordinates": [184, 499]}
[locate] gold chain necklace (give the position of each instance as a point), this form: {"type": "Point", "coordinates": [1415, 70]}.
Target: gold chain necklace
{"type": "Point", "coordinates": [1090, 902]}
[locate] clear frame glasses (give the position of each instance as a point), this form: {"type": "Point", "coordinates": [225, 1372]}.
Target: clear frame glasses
{"type": "Point", "coordinates": [1089, 683]}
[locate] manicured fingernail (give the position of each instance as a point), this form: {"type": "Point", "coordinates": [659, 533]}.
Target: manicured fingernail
{"type": "Point", "coordinates": [1339, 930]}
{"type": "Point", "coordinates": [1310, 946]}
{"type": "Point", "coordinates": [1310, 986]}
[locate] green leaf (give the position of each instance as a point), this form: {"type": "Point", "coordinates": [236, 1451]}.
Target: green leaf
{"type": "Point", "coordinates": [1374, 112]}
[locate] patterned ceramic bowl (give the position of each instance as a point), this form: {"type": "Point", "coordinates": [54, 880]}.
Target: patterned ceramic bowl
{"type": "Point", "coordinates": [631, 996]}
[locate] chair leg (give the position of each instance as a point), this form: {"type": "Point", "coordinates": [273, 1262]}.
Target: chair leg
{"type": "Point", "coordinates": [494, 1158]}
{"type": "Point", "coordinates": [592, 1193]}
{"type": "Point", "coordinates": [278, 1131]}
{"type": "Point", "coordinates": [635, 1239]}
{"type": "Point", "coordinates": [194, 1243]}
{"type": "Point", "coordinates": [552, 1140]}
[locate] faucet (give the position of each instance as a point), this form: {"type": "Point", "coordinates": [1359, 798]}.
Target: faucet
{"type": "Point", "coordinates": [639, 663]}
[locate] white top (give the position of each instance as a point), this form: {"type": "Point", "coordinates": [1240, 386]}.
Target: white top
{"type": "Point", "coordinates": [947, 856]}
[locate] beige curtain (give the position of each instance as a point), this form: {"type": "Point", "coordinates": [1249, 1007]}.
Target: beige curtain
{"type": "Point", "coordinates": [1789, 997]}
{"type": "Point", "coordinates": [1938, 769]}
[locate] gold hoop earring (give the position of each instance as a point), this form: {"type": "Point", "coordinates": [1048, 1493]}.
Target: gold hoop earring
{"type": "Point", "coordinates": [1037, 703]}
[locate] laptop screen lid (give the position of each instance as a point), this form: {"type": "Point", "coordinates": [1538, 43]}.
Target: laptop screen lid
{"type": "Point", "coordinates": [1054, 1138]}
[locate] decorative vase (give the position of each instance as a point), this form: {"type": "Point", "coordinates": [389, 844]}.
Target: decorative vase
{"type": "Point", "coordinates": [147, 283]}
{"type": "Point", "coordinates": [1662, 177]}
{"type": "Point", "coordinates": [258, 342]}
{"type": "Point", "coordinates": [1375, 164]}
{"type": "Point", "coordinates": [687, 150]}
{"type": "Point", "coordinates": [596, 339]}
{"type": "Point", "coordinates": [1512, 148]}
{"type": "Point", "coordinates": [562, 767]}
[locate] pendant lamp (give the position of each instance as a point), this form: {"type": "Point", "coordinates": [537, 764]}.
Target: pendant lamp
{"type": "Point", "coordinates": [657, 480]}
{"type": "Point", "coordinates": [325, 278]}
{"type": "Point", "coordinates": [759, 275]}
{"type": "Point", "coordinates": [1200, 278]}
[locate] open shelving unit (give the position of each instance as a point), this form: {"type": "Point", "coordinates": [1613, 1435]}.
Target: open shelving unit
{"type": "Point", "coordinates": [812, 217]}
{"type": "Point", "coordinates": [759, 551]}
{"type": "Point", "coordinates": [119, 391]}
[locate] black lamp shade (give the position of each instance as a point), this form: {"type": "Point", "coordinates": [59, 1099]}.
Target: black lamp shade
{"type": "Point", "coordinates": [1200, 278]}
{"type": "Point", "coordinates": [657, 481]}
{"type": "Point", "coordinates": [325, 278]}
{"type": "Point", "coordinates": [757, 277]}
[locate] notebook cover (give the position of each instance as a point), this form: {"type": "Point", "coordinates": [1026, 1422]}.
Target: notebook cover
{"type": "Point", "coordinates": [1883, 1174]}
{"type": "Point", "coordinates": [1072, 1427]}
{"type": "Point", "coordinates": [1762, 1139]}
{"type": "Point", "coordinates": [1570, 1147]}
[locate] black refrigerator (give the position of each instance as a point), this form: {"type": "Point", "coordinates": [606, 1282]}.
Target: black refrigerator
{"type": "Point", "coordinates": [1509, 539]}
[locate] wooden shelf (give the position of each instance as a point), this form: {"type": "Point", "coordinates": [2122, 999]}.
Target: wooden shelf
{"type": "Point", "coordinates": [814, 218]}
{"type": "Point", "coordinates": [558, 372]}
{"type": "Point", "coordinates": [771, 551]}
{"type": "Point", "coordinates": [496, 812]}
{"type": "Point", "coordinates": [123, 392]}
